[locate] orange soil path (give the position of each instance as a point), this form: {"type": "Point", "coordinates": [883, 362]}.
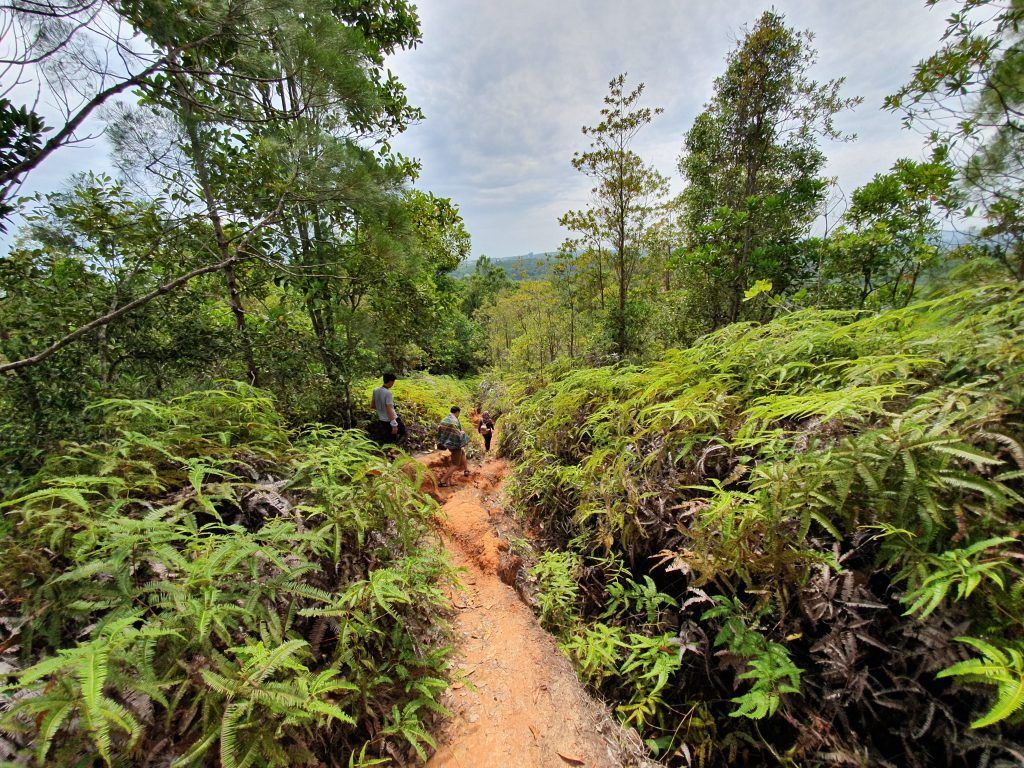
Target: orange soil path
{"type": "Point", "coordinates": [515, 698]}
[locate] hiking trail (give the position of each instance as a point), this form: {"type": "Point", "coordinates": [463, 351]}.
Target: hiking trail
{"type": "Point", "coordinates": [515, 699]}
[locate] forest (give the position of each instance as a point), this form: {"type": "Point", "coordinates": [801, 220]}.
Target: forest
{"type": "Point", "coordinates": [764, 435]}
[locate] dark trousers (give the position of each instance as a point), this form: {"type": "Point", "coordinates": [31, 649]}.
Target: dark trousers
{"type": "Point", "coordinates": [381, 431]}
{"type": "Point", "coordinates": [487, 442]}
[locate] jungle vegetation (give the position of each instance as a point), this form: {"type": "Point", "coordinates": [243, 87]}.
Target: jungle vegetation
{"type": "Point", "coordinates": [769, 434]}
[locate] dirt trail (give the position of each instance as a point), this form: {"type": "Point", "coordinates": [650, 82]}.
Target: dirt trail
{"type": "Point", "coordinates": [515, 698]}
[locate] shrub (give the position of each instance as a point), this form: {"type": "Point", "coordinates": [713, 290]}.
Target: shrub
{"type": "Point", "coordinates": [203, 588]}
{"type": "Point", "coordinates": [831, 498]}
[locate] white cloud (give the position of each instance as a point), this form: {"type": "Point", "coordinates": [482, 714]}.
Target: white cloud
{"type": "Point", "coordinates": [506, 88]}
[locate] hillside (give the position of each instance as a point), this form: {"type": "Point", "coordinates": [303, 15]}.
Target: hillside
{"type": "Point", "coordinates": [733, 477]}
{"type": "Point", "coordinates": [529, 266]}
{"type": "Point", "coordinates": [805, 521]}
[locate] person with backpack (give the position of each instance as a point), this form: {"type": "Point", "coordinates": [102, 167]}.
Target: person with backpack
{"type": "Point", "coordinates": [486, 428]}
{"type": "Point", "coordinates": [451, 437]}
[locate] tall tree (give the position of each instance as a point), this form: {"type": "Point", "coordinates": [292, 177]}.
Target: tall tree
{"type": "Point", "coordinates": [257, 96]}
{"type": "Point", "coordinates": [626, 196]}
{"type": "Point", "coordinates": [532, 326]}
{"type": "Point", "coordinates": [586, 255]}
{"type": "Point", "coordinates": [483, 286]}
{"type": "Point", "coordinates": [92, 251]}
{"type": "Point", "coordinates": [752, 166]}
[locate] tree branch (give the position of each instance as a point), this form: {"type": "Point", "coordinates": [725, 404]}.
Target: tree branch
{"type": "Point", "coordinates": [110, 317]}
{"type": "Point", "coordinates": [10, 176]}
{"type": "Point", "coordinates": [240, 254]}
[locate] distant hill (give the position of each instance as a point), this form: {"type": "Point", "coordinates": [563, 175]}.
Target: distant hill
{"type": "Point", "coordinates": [529, 266]}
{"type": "Point", "coordinates": [534, 266]}
{"type": "Point", "coordinates": [952, 238]}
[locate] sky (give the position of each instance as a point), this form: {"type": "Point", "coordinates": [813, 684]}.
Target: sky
{"type": "Point", "coordinates": [506, 86]}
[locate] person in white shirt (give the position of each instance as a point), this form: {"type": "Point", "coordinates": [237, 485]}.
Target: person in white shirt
{"type": "Point", "coordinates": [389, 427]}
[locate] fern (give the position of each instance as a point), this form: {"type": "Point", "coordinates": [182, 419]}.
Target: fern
{"type": "Point", "coordinates": [649, 664]}
{"type": "Point", "coordinates": [83, 672]}
{"type": "Point", "coordinates": [1002, 667]}
{"type": "Point", "coordinates": [596, 651]}
{"type": "Point", "coordinates": [558, 592]}
{"type": "Point", "coordinates": [962, 570]}
{"type": "Point", "coordinates": [773, 674]}
{"type": "Point", "coordinates": [798, 468]}
{"type": "Point", "coordinates": [769, 665]}
{"type": "Point", "coordinates": [192, 583]}
{"type": "Point", "coordinates": [644, 598]}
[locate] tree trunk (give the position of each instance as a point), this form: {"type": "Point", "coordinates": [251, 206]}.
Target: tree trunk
{"type": "Point", "coordinates": [623, 286]}
{"type": "Point", "coordinates": [240, 326]}
{"type": "Point", "coordinates": [572, 328]}
{"type": "Point", "coordinates": [755, 149]}
{"type": "Point", "coordinates": [319, 317]}
{"type": "Point", "coordinates": [913, 285]}
{"type": "Point", "coordinates": [103, 341]}
{"type": "Point", "coordinates": [622, 307]}
{"type": "Point", "coordinates": [223, 246]}
{"type": "Point", "coordinates": [866, 288]}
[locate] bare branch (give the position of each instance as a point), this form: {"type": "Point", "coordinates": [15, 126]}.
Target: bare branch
{"type": "Point", "coordinates": [11, 175]}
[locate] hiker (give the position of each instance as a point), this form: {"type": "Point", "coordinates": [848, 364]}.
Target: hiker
{"type": "Point", "coordinates": [486, 428]}
{"type": "Point", "coordinates": [451, 437]}
{"type": "Point", "coordinates": [389, 427]}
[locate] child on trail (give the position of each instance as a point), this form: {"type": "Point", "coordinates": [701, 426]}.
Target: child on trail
{"type": "Point", "coordinates": [486, 430]}
{"type": "Point", "coordinates": [451, 437]}
{"type": "Point", "coordinates": [389, 427]}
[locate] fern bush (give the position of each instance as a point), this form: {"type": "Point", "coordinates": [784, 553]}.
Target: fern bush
{"type": "Point", "coordinates": [559, 592]}
{"type": "Point", "coordinates": [204, 588]}
{"type": "Point", "coordinates": [831, 500]}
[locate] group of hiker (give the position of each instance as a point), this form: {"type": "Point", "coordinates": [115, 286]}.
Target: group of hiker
{"type": "Point", "coordinates": [389, 428]}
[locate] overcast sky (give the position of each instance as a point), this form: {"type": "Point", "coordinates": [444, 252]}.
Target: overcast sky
{"type": "Point", "coordinates": [506, 86]}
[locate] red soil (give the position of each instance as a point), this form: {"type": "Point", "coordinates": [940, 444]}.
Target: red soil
{"type": "Point", "coordinates": [515, 698]}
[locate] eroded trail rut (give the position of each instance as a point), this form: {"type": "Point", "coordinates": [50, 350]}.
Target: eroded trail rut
{"type": "Point", "coordinates": [515, 698]}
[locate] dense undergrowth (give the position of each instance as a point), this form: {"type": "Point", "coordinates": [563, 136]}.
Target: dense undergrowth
{"type": "Point", "coordinates": [423, 400]}
{"type": "Point", "coordinates": [795, 543]}
{"type": "Point", "coordinates": [204, 588]}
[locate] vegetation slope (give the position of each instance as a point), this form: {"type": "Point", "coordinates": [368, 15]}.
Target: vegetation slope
{"type": "Point", "coordinates": [795, 543]}
{"type": "Point", "coordinates": [205, 588]}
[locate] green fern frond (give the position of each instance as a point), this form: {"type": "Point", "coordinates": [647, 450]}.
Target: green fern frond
{"type": "Point", "coordinates": [1002, 667]}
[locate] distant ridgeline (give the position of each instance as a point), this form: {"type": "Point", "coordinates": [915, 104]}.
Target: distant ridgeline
{"type": "Point", "coordinates": [536, 266]}
{"type": "Point", "coordinates": [530, 266]}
